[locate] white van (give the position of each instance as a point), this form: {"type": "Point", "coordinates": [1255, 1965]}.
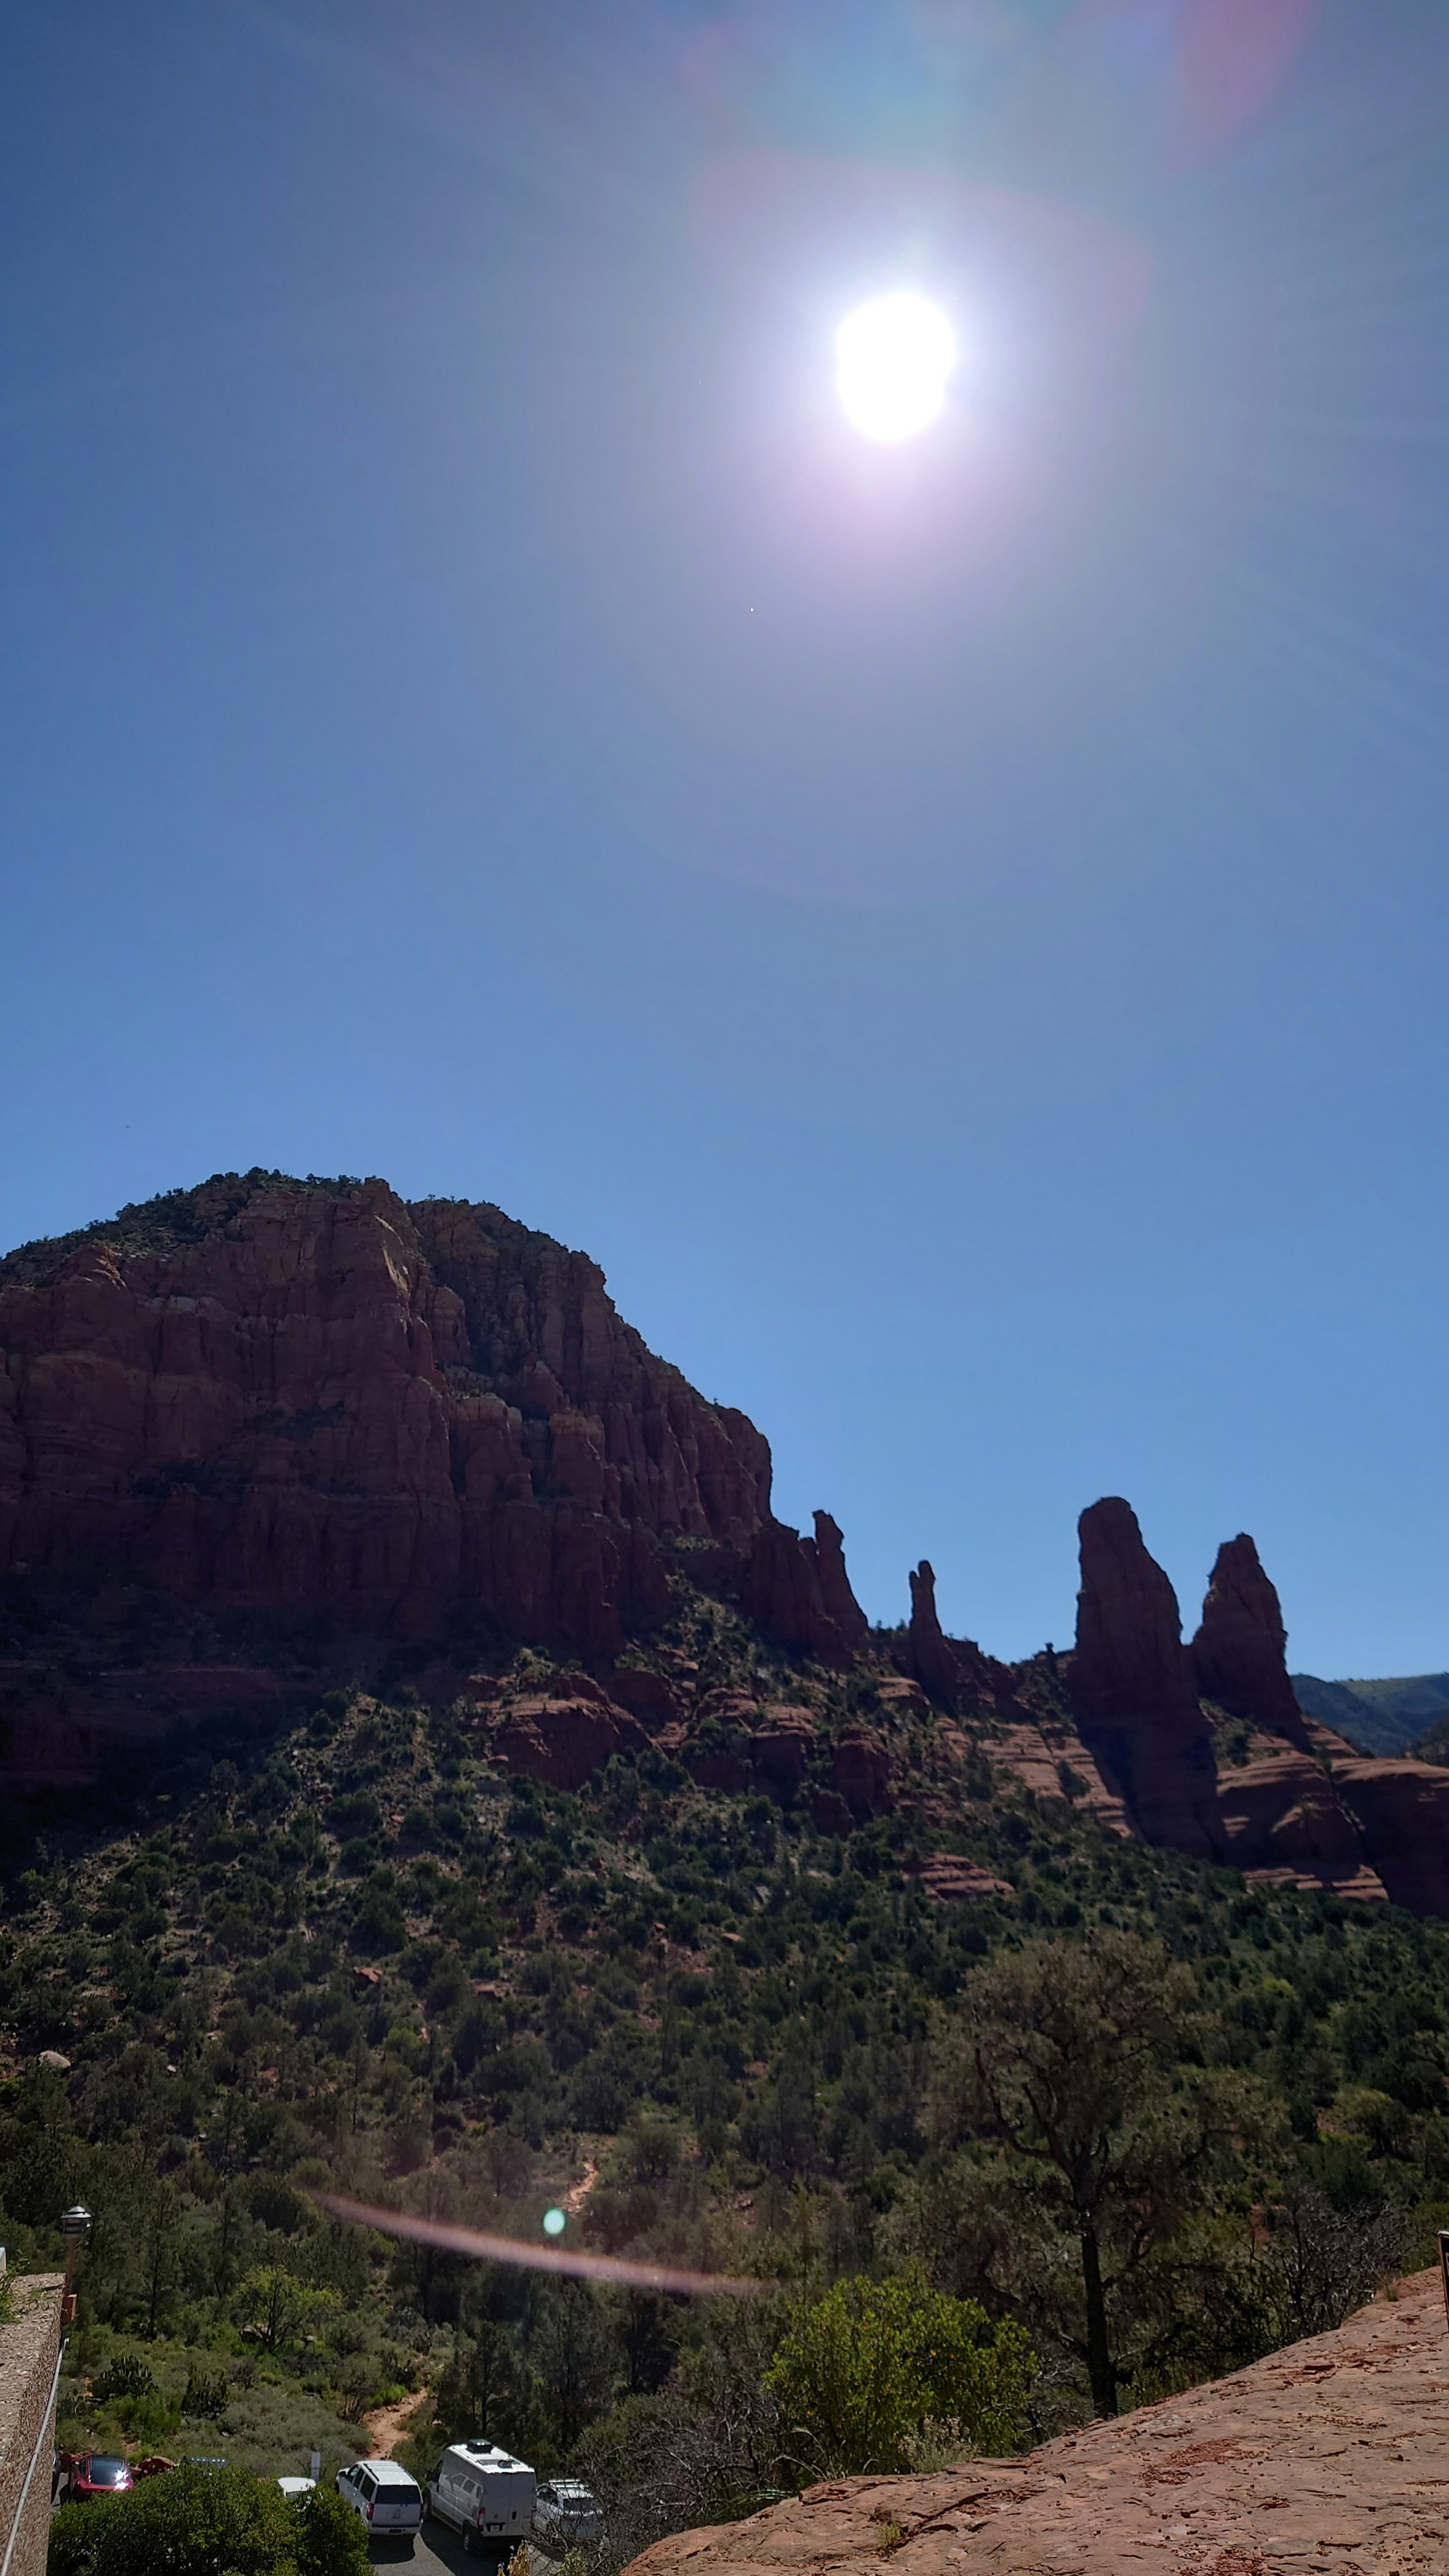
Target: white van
{"type": "Point", "coordinates": [484, 2493]}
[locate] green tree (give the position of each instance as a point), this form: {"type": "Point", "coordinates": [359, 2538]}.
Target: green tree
{"type": "Point", "coordinates": [330, 2540]}
{"type": "Point", "coordinates": [486, 2391]}
{"type": "Point", "coordinates": [865, 2369]}
{"type": "Point", "coordinates": [574, 2356]}
{"type": "Point", "coordinates": [278, 2305]}
{"type": "Point", "coordinates": [199, 2521]}
{"type": "Point", "coordinates": [1074, 2063]}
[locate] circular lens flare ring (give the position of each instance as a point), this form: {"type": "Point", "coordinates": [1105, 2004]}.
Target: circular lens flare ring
{"type": "Point", "coordinates": [894, 358]}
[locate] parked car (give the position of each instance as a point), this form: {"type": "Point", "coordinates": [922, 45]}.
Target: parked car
{"type": "Point", "coordinates": [567, 2512]}
{"type": "Point", "coordinates": [383, 2496]}
{"type": "Point", "coordinates": [94, 2474]}
{"type": "Point", "coordinates": [484, 2493]}
{"type": "Point", "coordinates": [297, 2486]}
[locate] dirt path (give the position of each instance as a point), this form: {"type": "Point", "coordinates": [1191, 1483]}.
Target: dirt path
{"type": "Point", "coordinates": [577, 2194]}
{"type": "Point", "coordinates": [386, 2425]}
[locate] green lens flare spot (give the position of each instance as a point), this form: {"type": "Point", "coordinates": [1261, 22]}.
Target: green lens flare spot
{"type": "Point", "coordinates": [554, 2222]}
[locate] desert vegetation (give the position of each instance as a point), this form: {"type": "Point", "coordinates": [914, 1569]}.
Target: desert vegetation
{"type": "Point", "coordinates": [1129, 2125]}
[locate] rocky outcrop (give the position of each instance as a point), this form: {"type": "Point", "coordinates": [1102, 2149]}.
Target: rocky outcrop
{"type": "Point", "coordinates": [60, 1728]}
{"type": "Point", "coordinates": [781, 1749]}
{"type": "Point", "coordinates": [566, 1737]}
{"type": "Point", "coordinates": [283, 1397]}
{"type": "Point", "coordinates": [1240, 1653]}
{"type": "Point", "coordinates": [1328, 2454]}
{"type": "Point", "coordinates": [950, 1670]}
{"type": "Point", "coordinates": [1401, 1810]}
{"type": "Point", "coordinates": [648, 1696]}
{"type": "Point", "coordinates": [1285, 1806]}
{"type": "Point", "coordinates": [862, 1772]}
{"type": "Point", "coordinates": [954, 1880]}
{"type": "Point", "coordinates": [1133, 1687]}
{"type": "Point", "coordinates": [1283, 1820]}
{"type": "Point", "coordinates": [798, 1591]}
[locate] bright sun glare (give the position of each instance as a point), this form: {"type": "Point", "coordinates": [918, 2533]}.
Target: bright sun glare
{"type": "Point", "coordinates": [894, 360]}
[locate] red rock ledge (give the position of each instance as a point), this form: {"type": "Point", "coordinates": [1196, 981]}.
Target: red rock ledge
{"type": "Point", "coordinates": [1331, 2454]}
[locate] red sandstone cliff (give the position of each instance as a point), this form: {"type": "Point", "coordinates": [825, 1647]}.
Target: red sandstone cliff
{"type": "Point", "coordinates": [1290, 1803]}
{"type": "Point", "coordinates": [1240, 1652]}
{"type": "Point", "coordinates": [277, 1397]}
{"type": "Point", "coordinates": [1133, 1687]}
{"type": "Point", "coordinates": [280, 1396]}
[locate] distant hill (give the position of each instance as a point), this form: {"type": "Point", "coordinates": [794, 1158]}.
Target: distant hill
{"type": "Point", "coordinates": [1383, 1717]}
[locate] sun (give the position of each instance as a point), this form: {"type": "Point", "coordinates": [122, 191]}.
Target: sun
{"type": "Point", "coordinates": [894, 358]}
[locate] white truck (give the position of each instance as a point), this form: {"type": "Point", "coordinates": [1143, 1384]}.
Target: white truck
{"type": "Point", "coordinates": [485, 2494]}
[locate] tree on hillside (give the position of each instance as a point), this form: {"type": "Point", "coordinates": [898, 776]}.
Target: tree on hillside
{"type": "Point", "coordinates": [1076, 2066]}
{"type": "Point", "coordinates": [863, 2371]}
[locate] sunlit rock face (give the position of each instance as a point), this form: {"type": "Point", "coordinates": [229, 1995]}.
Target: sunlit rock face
{"type": "Point", "coordinates": [328, 1399]}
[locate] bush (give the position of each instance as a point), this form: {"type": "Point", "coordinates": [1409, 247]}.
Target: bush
{"type": "Point", "coordinates": [127, 2376]}
{"type": "Point", "coordinates": [862, 2373]}
{"type": "Point", "coordinates": [194, 2521]}
{"type": "Point", "coordinates": [206, 2393]}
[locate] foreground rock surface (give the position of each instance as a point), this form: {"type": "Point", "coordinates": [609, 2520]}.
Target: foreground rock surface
{"type": "Point", "coordinates": [1331, 2454]}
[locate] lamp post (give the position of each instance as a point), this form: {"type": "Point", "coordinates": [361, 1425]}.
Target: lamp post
{"type": "Point", "coordinates": [75, 2227]}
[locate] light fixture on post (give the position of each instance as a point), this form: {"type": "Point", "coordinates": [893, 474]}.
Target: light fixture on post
{"type": "Point", "coordinates": [75, 2227]}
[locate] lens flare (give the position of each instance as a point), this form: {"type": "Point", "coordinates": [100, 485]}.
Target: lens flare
{"type": "Point", "coordinates": [894, 359]}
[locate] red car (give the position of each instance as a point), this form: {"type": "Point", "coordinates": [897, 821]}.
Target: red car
{"type": "Point", "coordinates": [98, 2473]}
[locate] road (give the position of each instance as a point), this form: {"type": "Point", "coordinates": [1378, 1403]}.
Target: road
{"type": "Point", "coordinates": [436, 2552]}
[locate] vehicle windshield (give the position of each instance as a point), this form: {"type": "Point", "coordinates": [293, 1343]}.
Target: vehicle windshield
{"type": "Point", "coordinates": [105, 2472]}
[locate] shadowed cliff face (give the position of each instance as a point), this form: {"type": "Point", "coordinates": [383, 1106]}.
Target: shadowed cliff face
{"type": "Point", "coordinates": [1133, 1688]}
{"type": "Point", "coordinates": [1240, 1652]}
{"type": "Point", "coordinates": [287, 1396]}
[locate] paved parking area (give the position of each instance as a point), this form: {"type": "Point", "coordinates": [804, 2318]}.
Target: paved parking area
{"type": "Point", "coordinates": [435, 2551]}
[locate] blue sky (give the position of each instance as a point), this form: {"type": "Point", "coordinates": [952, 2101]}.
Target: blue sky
{"type": "Point", "coordinates": [958, 933]}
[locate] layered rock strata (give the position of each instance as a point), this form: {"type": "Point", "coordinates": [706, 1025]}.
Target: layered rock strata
{"type": "Point", "coordinates": [277, 1396]}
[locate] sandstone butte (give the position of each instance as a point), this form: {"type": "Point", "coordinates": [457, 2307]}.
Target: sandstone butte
{"type": "Point", "coordinates": [1331, 2454]}
{"type": "Point", "coordinates": [284, 1401]}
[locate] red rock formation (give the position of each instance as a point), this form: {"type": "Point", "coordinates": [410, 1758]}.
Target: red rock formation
{"type": "Point", "coordinates": [782, 1748]}
{"type": "Point", "coordinates": [648, 1696]}
{"type": "Point", "coordinates": [1402, 1813]}
{"type": "Point", "coordinates": [798, 1591]}
{"type": "Point", "coordinates": [1328, 2454]}
{"type": "Point", "coordinates": [947, 1668]}
{"type": "Point", "coordinates": [1282, 1820]}
{"type": "Point", "coordinates": [954, 1880]}
{"type": "Point", "coordinates": [862, 1772]}
{"type": "Point", "coordinates": [59, 1731]}
{"type": "Point", "coordinates": [1133, 1688]}
{"type": "Point", "coordinates": [565, 1740]}
{"type": "Point", "coordinates": [1239, 1655]}
{"type": "Point", "coordinates": [278, 1396]}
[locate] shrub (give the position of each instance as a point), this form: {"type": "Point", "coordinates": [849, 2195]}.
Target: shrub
{"type": "Point", "coordinates": [206, 2393]}
{"type": "Point", "coordinates": [194, 2521]}
{"type": "Point", "coordinates": [869, 2366]}
{"type": "Point", "coordinates": [127, 2376]}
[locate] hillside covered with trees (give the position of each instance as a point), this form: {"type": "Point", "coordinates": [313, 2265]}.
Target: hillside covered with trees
{"type": "Point", "coordinates": [1153, 2118]}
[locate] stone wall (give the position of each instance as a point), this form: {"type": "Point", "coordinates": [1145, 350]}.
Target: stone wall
{"type": "Point", "coordinates": [28, 2351]}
